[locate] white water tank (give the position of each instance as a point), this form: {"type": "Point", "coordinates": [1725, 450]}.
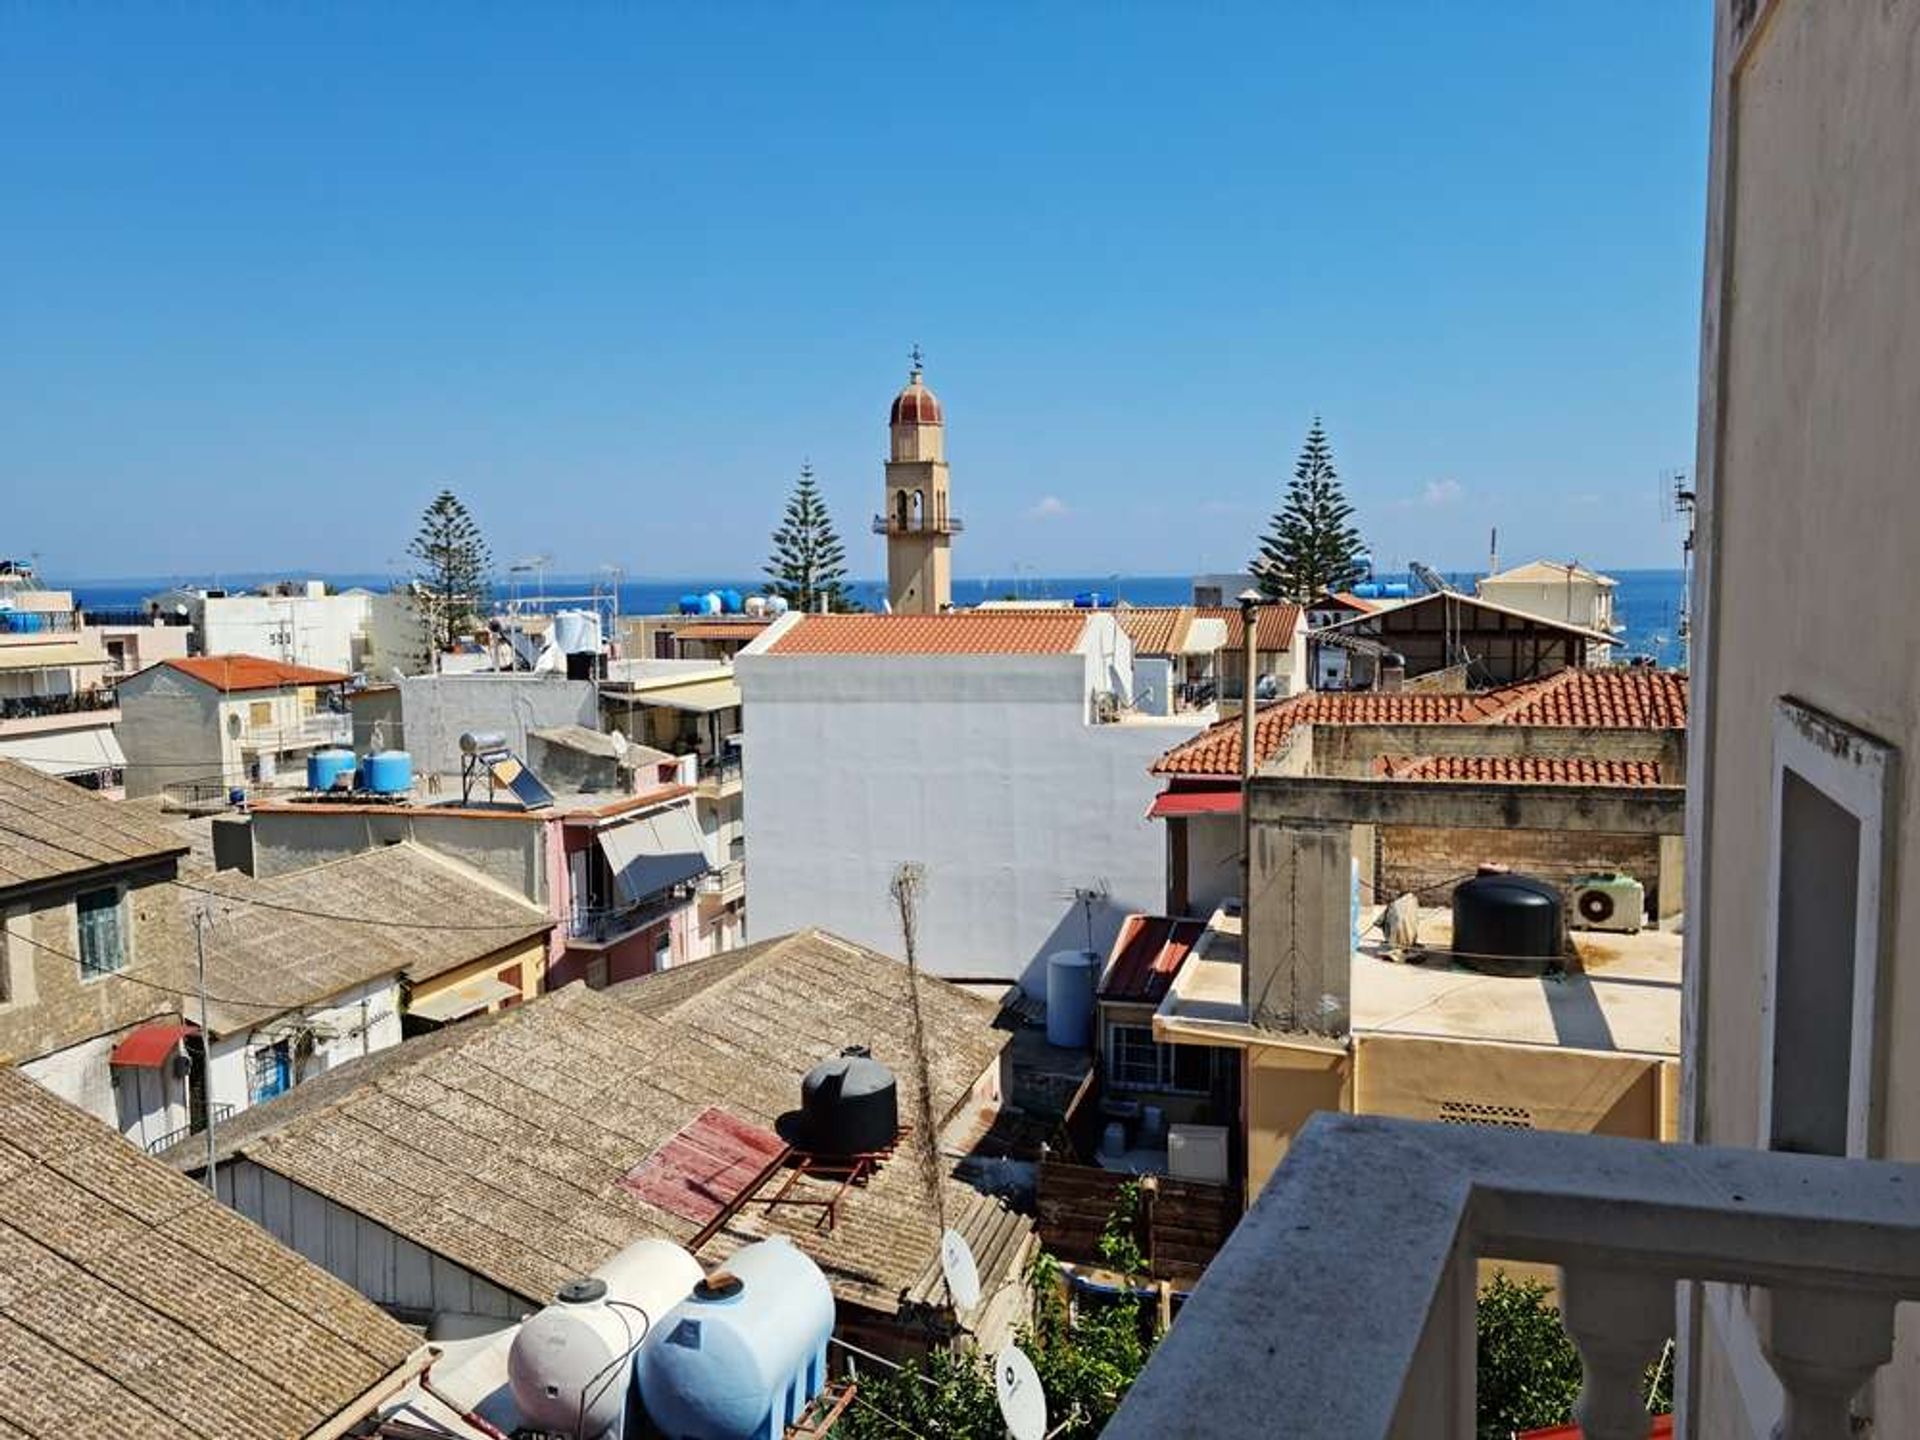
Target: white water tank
{"type": "Point", "coordinates": [1071, 978]}
{"type": "Point", "coordinates": [568, 1367]}
{"type": "Point", "coordinates": [576, 632]}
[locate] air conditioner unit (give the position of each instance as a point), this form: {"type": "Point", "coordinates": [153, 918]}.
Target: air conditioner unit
{"type": "Point", "coordinates": [1607, 902]}
{"type": "Point", "coordinates": [1197, 1152]}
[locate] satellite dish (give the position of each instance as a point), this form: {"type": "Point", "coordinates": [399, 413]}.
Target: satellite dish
{"type": "Point", "coordinates": [963, 1276]}
{"type": "Point", "coordinates": [1023, 1404]}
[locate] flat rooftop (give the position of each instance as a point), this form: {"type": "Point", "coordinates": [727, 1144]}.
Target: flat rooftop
{"type": "Point", "coordinates": [1624, 997]}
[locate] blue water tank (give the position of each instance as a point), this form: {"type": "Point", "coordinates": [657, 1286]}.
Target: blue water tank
{"type": "Point", "coordinates": [730, 602]}
{"type": "Point", "coordinates": [1367, 590]}
{"type": "Point", "coordinates": [690, 604]}
{"type": "Point", "coordinates": [326, 766]}
{"type": "Point", "coordinates": [1089, 600]}
{"type": "Point", "coordinates": [710, 603]}
{"type": "Point", "coordinates": [746, 1353]}
{"type": "Point", "coordinates": [1396, 590]}
{"type": "Point", "coordinates": [389, 772]}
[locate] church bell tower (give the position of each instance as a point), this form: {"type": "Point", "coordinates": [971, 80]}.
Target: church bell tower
{"type": "Point", "coordinates": [918, 526]}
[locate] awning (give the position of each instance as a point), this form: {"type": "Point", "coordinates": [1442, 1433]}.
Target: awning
{"type": "Point", "coordinates": [653, 852]}
{"type": "Point", "coordinates": [469, 997]}
{"type": "Point", "coordinates": [66, 752]}
{"type": "Point", "coordinates": [702, 696]}
{"type": "Point", "coordinates": [60, 655]}
{"type": "Point", "coordinates": [1178, 804]}
{"type": "Point", "coordinates": [150, 1046]}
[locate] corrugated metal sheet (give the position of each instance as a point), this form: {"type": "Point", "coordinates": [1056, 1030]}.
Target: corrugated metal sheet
{"type": "Point", "coordinates": [706, 1167]}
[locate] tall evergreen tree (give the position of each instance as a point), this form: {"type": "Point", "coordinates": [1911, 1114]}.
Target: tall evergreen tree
{"type": "Point", "coordinates": [1311, 544]}
{"type": "Point", "coordinates": [455, 567]}
{"type": "Point", "coordinates": [809, 563]}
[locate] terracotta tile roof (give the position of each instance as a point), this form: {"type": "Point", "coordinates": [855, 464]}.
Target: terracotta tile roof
{"type": "Point", "coordinates": [964, 632]}
{"type": "Point", "coordinates": [1147, 955]}
{"type": "Point", "coordinates": [50, 828]}
{"type": "Point", "coordinates": [1275, 630]}
{"type": "Point", "coordinates": [136, 1304]}
{"type": "Point", "coordinates": [1632, 699]}
{"type": "Point", "coordinates": [1520, 770]}
{"type": "Point", "coordinates": [252, 672]}
{"type": "Point", "coordinates": [1155, 629]}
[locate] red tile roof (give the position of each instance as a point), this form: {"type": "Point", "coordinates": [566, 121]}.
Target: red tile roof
{"type": "Point", "coordinates": [965, 632]}
{"type": "Point", "coordinates": [1155, 629]}
{"type": "Point", "coordinates": [1520, 770]}
{"type": "Point", "coordinates": [1147, 955]}
{"type": "Point", "coordinates": [1632, 699]}
{"type": "Point", "coordinates": [1274, 631]}
{"type": "Point", "coordinates": [722, 630]}
{"type": "Point", "coordinates": [252, 672]}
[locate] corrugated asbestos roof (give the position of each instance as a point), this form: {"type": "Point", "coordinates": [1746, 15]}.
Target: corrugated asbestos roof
{"type": "Point", "coordinates": [1628, 699]}
{"type": "Point", "coordinates": [134, 1304]}
{"type": "Point", "coordinates": [963, 632]}
{"type": "Point", "coordinates": [501, 1144]}
{"type": "Point", "coordinates": [50, 829]}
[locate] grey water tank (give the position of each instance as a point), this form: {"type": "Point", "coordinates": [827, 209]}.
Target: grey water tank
{"type": "Point", "coordinates": [1503, 921]}
{"type": "Point", "coordinates": [850, 1105]}
{"type": "Point", "coordinates": [1072, 976]}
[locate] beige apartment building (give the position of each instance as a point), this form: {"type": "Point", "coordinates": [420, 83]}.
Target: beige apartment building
{"type": "Point", "coordinates": [56, 709]}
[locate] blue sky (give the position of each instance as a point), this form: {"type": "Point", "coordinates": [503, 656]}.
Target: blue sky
{"type": "Point", "coordinates": [270, 276]}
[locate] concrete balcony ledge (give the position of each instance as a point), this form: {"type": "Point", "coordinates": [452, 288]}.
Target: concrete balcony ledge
{"type": "Point", "coordinates": [1344, 1302]}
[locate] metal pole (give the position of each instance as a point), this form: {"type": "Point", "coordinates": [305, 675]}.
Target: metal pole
{"type": "Point", "coordinates": [1250, 658]}
{"type": "Point", "coordinates": [200, 922]}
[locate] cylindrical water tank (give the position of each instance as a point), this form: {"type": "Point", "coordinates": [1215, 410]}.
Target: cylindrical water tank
{"type": "Point", "coordinates": [1089, 600]}
{"type": "Point", "coordinates": [777, 605]}
{"type": "Point", "coordinates": [755, 605]}
{"type": "Point", "coordinates": [389, 772]}
{"type": "Point", "coordinates": [656, 1275]}
{"type": "Point", "coordinates": [850, 1105]}
{"type": "Point", "coordinates": [730, 601]}
{"type": "Point", "coordinates": [710, 603]}
{"type": "Point", "coordinates": [565, 1364]}
{"type": "Point", "coordinates": [1500, 917]}
{"type": "Point", "coordinates": [1071, 977]}
{"type": "Point", "coordinates": [746, 1353]}
{"type": "Point", "coordinates": [690, 604]}
{"type": "Point", "coordinates": [326, 766]}
{"type": "Point", "coordinates": [482, 742]}
{"type": "Point", "coordinates": [576, 632]}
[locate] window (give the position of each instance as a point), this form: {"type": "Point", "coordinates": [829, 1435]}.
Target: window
{"type": "Point", "coordinates": [260, 714]}
{"type": "Point", "coordinates": [1136, 1061]}
{"type": "Point", "coordinates": [1827, 918]}
{"type": "Point", "coordinates": [269, 1071]}
{"type": "Point", "coordinates": [663, 951]}
{"type": "Point", "coordinates": [103, 941]}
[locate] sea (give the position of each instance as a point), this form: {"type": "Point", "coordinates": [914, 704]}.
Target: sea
{"type": "Point", "coordinates": [1649, 602]}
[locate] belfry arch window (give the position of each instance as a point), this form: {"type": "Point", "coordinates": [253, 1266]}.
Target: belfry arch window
{"type": "Point", "coordinates": [900, 510]}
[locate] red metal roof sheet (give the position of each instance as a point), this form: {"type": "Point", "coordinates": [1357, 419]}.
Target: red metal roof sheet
{"type": "Point", "coordinates": [706, 1167]}
{"type": "Point", "coordinates": [252, 672]}
{"type": "Point", "coordinates": [1178, 804]}
{"type": "Point", "coordinates": [1147, 955]}
{"type": "Point", "coordinates": [966, 632]}
{"type": "Point", "coordinates": [150, 1046]}
{"type": "Point", "coordinates": [1662, 1430]}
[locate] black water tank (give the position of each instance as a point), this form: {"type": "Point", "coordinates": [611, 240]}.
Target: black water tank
{"type": "Point", "coordinates": [1501, 918]}
{"type": "Point", "coordinates": [849, 1105]}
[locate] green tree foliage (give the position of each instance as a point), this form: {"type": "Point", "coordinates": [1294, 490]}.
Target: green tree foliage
{"type": "Point", "coordinates": [1085, 1361]}
{"type": "Point", "coordinates": [809, 563]}
{"type": "Point", "coordinates": [455, 567]}
{"type": "Point", "coordinates": [1528, 1370]}
{"type": "Point", "coordinates": [1311, 544]}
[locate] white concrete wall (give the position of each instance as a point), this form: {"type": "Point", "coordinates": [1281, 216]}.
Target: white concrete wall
{"type": "Point", "coordinates": [1214, 844]}
{"type": "Point", "coordinates": [326, 631]}
{"type": "Point", "coordinates": [81, 1076]}
{"type": "Point", "coordinates": [353, 1032]}
{"type": "Point", "coordinates": [436, 709]}
{"type": "Point", "coordinates": [1809, 432]}
{"type": "Point", "coordinates": [985, 769]}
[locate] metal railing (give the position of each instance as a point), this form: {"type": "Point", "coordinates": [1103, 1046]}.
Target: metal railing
{"type": "Point", "coordinates": [124, 616]}
{"type": "Point", "coordinates": [326, 729]}
{"type": "Point", "coordinates": [720, 768]}
{"type": "Point", "coordinates": [602, 924]}
{"type": "Point", "coordinates": [918, 525]}
{"type": "Point", "coordinates": [37, 622]}
{"type": "Point", "coordinates": [34, 707]}
{"type": "Point", "coordinates": [729, 876]}
{"type": "Point", "coordinates": [199, 795]}
{"type": "Point", "coordinates": [1347, 1293]}
{"type": "Point", "coordinates": [221, 1114]}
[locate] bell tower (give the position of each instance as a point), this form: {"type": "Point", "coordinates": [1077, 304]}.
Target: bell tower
{"type": "Point", "coordinates": [916, 521]}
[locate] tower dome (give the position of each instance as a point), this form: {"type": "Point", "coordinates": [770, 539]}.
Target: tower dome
{"type": "Point", "coordinates": [915, 405]}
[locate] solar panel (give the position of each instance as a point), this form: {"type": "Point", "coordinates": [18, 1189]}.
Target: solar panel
{"type": "Point", "coordinates": [527, 787]}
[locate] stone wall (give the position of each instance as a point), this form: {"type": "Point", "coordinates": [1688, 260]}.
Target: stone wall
{"type": "Point", "coordinates": [1418, 858]}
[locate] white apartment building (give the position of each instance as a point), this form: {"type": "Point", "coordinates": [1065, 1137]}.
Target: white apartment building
{"type": "Point", "coordinates": [997, 750]}
{"type": "Point", "coordinates": [56, 712]}
{"type": "Point", "coordinates": [300, 622]}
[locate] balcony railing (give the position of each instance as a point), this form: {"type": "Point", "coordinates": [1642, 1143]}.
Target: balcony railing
{"type": "Point", "coordinates": [35, 707]}
{"type": "Point", "coordinates": [37, 622]}
{"type": "Point", "coordinates": [123, 616]}
{"type": "Point", "coordinates": [221, 1114]}
{"type": "Point", "coordinates": [918, 525]}
{"type": "Point", "coordinates": [325, 729]}
{"type": "Point", "coordinates": [1344, 1303]}
{"type": "Point", "coordinates": [729, 878]}
{"type": "Point", "coordinates": [602, 925]}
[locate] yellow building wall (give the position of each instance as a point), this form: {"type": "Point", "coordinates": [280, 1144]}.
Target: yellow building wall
{"type": "Point", "coordinates": [530, 956]}
{"type": "Point", "coordinates": [1284, 1088]}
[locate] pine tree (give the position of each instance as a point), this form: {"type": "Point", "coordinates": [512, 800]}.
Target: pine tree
{"type": "Point", "coordinates": [1311, 545]}
{"type": "Point", "coordinates": [809, 564]}
{"type": "Point", "coordinates": [455, 567]}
